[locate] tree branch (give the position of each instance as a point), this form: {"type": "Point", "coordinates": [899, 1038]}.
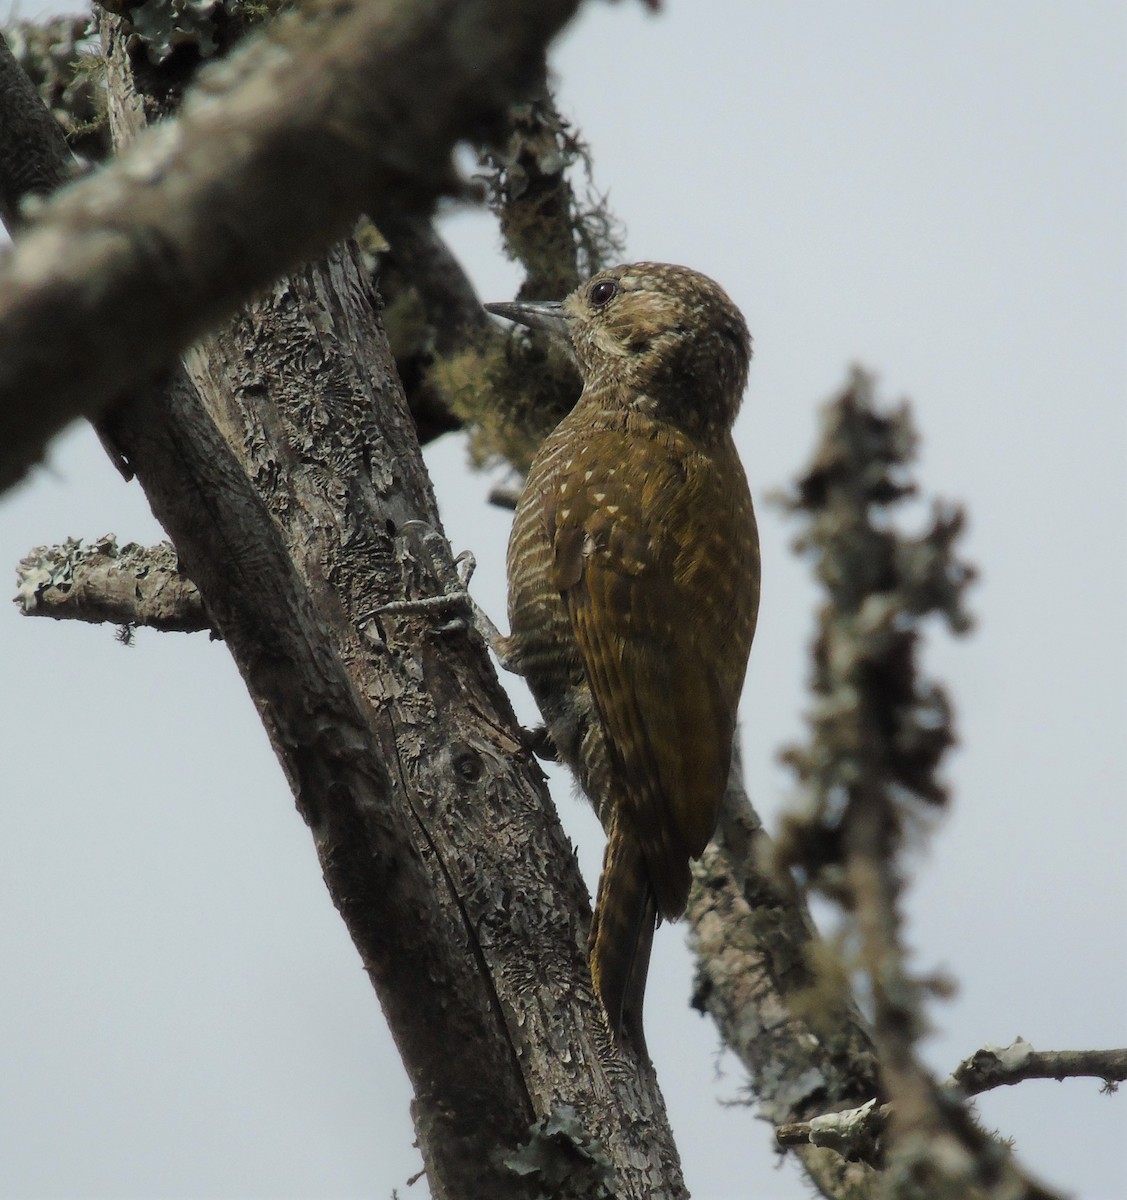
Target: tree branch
{"type": "Point", "coordinates": [278, 149]}
{"type": "Point", "coordinates": [855, 1134]}
{"type": "Point", "coordinates": [122, 585]}
{"type": "Point", "coordinates": [286, 481]}
{"type": "Point", "coordinates": [512, 390]}
{"type": "Point", "coordinates": [878, 735]}
{"type": "Point", "coordinates": [1002, 1066]}
{"type": "Point", "coordinates": [35, 159]}
{"type": "Point", "coordinates": [805, 1047]}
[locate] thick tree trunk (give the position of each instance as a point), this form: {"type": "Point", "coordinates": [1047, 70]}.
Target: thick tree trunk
{"type": "Point", "coordinates": [287, 476]}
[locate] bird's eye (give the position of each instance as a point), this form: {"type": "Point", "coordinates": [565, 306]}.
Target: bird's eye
{"type": "Point", "coordinates": [602, 293]}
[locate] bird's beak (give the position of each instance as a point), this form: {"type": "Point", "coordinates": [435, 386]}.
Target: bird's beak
{"type": "Point", "coordinates": [543, 314]}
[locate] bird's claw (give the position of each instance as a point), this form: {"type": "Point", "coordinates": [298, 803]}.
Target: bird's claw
{"type": "Point", "coordinates": [453, 574]}
{"type": "Point", "coordinates": [539, 741]}
{"type": "Point", "coordinates": [465, 564]}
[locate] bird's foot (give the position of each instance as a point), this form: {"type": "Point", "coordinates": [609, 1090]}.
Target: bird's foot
{"type": "Point", "coordinates": [454, 575]}
{"type": "Point", "coordinates": [539, 741]}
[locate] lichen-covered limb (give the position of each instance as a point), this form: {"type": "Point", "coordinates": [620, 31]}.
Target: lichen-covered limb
{"type": "Point", "coordinates": [512, 389]}
{"type": "Point", "coordinates": [458, 368]}
{"type": "Point", "coordinates": [878, 733]}
{"type": "Point", "coordinates": [1001, 1066]}
{"type": "Point", "coordinates": [51, 52]}
{"type": "Point", "coordinates": [804, 1045]}
{"type": "Point", "coordinates": [105, 582]}
{"type": "Point", "coordinates": [852, 1133]}
{"type": "Point", "coordinates": [336, 108]}
{"type": "Point", "coordinates": [558, 235]}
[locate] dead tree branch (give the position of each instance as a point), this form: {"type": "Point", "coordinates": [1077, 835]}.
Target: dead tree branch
{"type": "Point", "coordinates": [1003, 1066]}
{"type": "Point", "coordinates": [878, 734]}
{"type": "Point", "coordinates": [278, 149]}
{"type": "Point", "coordinates": [806, 1049]}
{"type": "Point", "coordinates": [855, 1134]}
{"type": "Point", "coordinates": [124, 585]}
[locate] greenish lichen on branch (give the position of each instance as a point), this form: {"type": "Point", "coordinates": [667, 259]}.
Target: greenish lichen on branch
{"type": "Point", "coordinates": [557, 234]}
{"type": "Point", "coordinates": [107, 583]}
{"type": "Point", "coordinates": [56, 54]}
{"type": "Point", "coordinates": [188, 31]}
{"type": "Point", "coordinates": [511, 391]}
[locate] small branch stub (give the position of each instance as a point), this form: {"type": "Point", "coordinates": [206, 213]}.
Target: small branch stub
{"type": "Point", "coordinates": [104, 583]}
{"type": "Point", "coordinates": [853, 1133]}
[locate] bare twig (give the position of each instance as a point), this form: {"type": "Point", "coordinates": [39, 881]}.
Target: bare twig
{"type": "Point", "coordinates": [855, 1133]}
{"type": "Point", "coordinates": [1002, 1066]}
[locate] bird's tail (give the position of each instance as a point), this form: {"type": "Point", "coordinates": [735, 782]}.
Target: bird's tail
{"type": "Point", "coordinates": [622, 931]}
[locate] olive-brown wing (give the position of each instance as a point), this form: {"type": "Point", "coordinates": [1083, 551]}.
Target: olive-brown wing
{"type": "Point", "coordinates": [659, 571]}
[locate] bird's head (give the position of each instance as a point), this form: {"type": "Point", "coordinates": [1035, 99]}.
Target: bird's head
{"type": "Point", "coordinates": [655, 336]}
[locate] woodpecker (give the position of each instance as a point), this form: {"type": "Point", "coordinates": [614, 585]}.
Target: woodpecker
{"type": "Point", "coordinates": [633, 573]}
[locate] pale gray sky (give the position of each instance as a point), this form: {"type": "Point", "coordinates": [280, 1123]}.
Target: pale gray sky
{"type": "Point", "coordinates": [937, 192]}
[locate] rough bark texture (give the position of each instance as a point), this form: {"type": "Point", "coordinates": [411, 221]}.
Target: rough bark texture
{"type": "Point", "coordinates": [342, 106]}
{"type": "Point", "coordinates": [125, 585]}
{"type": "Point", "coordinates": [413, 944]}
{"type": "Point", "coordinates": [805, 1054]}
{"type": "Point", "coordinates": [436, 835]}
{"type": "Point", "coordinates": [33, 152]}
